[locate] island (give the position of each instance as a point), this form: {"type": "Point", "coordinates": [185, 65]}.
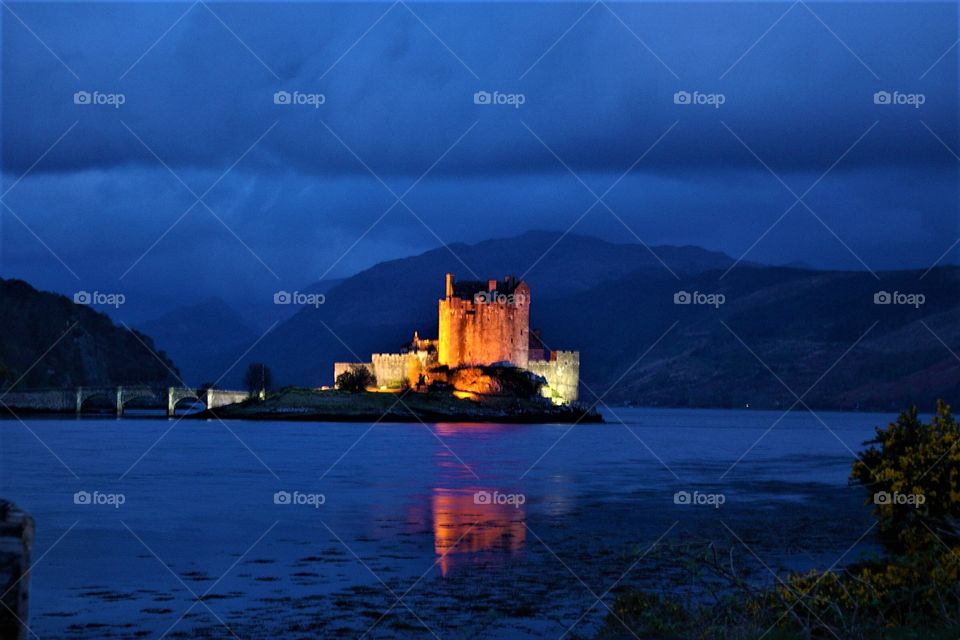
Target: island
{"type": "Point", "coordinates": [485, 366]}
{"type": "Point", "coordinates": [336, 405]}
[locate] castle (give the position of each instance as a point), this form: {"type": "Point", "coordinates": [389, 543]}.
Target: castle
{"type": "Point", "coordinates": [481, 323]}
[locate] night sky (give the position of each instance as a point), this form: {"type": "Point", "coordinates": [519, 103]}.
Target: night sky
{"type": "Point", "coordinates": [105, 198]}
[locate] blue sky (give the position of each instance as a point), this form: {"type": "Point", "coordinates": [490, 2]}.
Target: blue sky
{"type": "Point", "coordinates": [100, 196]}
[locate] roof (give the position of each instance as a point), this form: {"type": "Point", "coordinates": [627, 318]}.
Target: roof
{"type": "Point", "coordinates": [467, 289]}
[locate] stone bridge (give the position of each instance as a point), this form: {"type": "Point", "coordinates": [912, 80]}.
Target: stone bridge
{"type": "Point", "coordinates": [73, 400]}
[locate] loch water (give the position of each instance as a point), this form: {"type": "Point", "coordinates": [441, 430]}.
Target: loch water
{"type": "Point", "coordinates": [148, 527]}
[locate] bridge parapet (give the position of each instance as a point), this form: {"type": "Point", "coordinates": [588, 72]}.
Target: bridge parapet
{"type": "Point", "coordinates": [221, 397]}
{"type": "Point", "coordinates": [73, 400]}
{"type": "Point", "coordinates": [52, 400]}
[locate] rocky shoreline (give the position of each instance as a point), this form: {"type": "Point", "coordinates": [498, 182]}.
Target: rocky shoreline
{"type": "Point", "coordinates": [16, 541]}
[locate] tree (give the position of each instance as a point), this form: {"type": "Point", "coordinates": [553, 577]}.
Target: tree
{"type": "Point", "coordinates": [7, 374]}
{"type": "Point", "coordinates": [358, 378]}
{"type": "Point", "coordinates": [258, 378]}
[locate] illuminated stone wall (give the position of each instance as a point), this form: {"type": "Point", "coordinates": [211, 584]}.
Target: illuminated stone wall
{"type": "Point", "coordinates": [562, 373]}
{"type": "Point", "coordinates": [396, 370]}
{"type": "Point", "coordinates": [391, 368]}
{"type": "Point", "coordinates": [484, 332]}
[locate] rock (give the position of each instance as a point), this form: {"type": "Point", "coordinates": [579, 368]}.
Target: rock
{"type": "Point", "coordinates": [16, 542]}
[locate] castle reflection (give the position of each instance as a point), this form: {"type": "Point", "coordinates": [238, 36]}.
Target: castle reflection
{"type": "Point", "coordinates": [463, 528]}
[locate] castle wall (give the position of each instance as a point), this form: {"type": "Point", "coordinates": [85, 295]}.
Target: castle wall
{"type": "Point", "coordinates": [479, 333]}
{"type": "Point", "coordinates": [491, 326]}
{"type": "Point", "coordinates": [396, 370]}
{"type": "Point", "coordinates": [562, 373]}
{"type": "Point", "coordinates": [391, 368]}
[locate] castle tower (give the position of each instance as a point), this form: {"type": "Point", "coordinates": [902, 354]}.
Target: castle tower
{"type": "Point", "coordinates": [484, 322]}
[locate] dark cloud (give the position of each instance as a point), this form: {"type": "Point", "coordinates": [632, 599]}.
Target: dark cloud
{"type": "Point", "coordinates": [399, 97]}
{"type": "Point", "coordinates": [398, 100]}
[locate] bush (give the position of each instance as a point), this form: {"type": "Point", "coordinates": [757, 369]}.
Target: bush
{"type": "Point", "coordinates": [911, 462]}
{"type": "Point", "coordinates": [515, 381]}
{"type": "Point", "coordinates": [357, 379]}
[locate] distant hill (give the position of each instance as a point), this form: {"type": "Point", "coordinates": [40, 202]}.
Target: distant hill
{"type": "Point", "coordinates": [404, 290]}
{"type": "Point", "coordinates": [799, 323]}
{"type": "Point", "coordinates": [199, 337]}
{"type": "Point", "coordinates": [79, 345]}
{"type": "Point", "coordinates": [378, 309]}
{"type": "Point", "coordinates": [613, 301]}
{"type": "Point", "coordinates": [262, 313]}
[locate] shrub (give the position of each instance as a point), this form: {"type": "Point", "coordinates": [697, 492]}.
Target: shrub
{"type": "Point", "coordinates": [515, 381]}
{"type": "Point", "coordinates": [909, 458]}
{"type": "Point", "coordinates": [357, 379]}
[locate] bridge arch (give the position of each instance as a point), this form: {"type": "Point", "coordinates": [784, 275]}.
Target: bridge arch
{"type": "Point", "coordinates": [109, 396]}
{"type": "Point", "coordinates": [188, 402]}
{"type": "Point", "coordinates": [176, 396]}
{"type": "Point", "coordinates": [209, 398]}
{"type": "Point", "coordinates": [142, 397]}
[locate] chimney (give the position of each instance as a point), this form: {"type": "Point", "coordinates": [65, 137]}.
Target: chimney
{"type": "Point", "coordinates": [491, 285]}
{"type": "Point", "coordinates": [449, 285]}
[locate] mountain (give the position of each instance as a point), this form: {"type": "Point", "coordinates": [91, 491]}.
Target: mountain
{"type": "Point", "coordinates": [551, 262]}
{"type": "Point", "coordinates": [813, 328]}
{"type": "Point", "coordinates": [816, 330]}
{"type": "Point", "coordinates": [199, 337]}
{"type": "Point", "coordinates": [378, 309]}
{"type": "Point", "coordinates": [49, 341]}
{"type": "Point", "coordinates": [260, 314]}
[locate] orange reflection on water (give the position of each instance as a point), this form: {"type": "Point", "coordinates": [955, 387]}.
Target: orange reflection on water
{"type": "Point", "coordinates": [473, 428]}
{"type": "Point", "coordinates": [460, 526]}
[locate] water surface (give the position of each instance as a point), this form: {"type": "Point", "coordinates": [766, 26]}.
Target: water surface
{"type": "Point", "coordinates": [400, 546]}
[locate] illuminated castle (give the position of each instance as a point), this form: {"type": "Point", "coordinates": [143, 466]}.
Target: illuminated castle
{"type": "Point", "coordinates": [480, 323]}
{"type": "Point", "coordinates": [484, 322]}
